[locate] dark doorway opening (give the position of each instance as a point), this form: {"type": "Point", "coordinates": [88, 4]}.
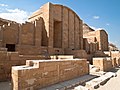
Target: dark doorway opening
{"type": "Point", "coordinates": [10, 47]}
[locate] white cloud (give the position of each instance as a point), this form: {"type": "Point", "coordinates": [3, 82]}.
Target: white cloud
{"type": "Point", "coordinates": [3, 5]}
{"type": "Point", "coordinates": [96, 17]}
{"type": "Point", "coordinates": [17, 15]}
{"type": "Point", "coordinates": [95, 28]}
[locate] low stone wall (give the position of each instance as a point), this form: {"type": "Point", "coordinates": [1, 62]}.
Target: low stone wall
{"type": "Point", "coordinates": [115, 55]}
{"type": "Point", "coordinates": [76, 53]}
{"type": "Point", "coordinates": [7, 60]}
{"type": "Point", "coordinates": [104, 63]}
{"type": "Point", "coordinates": [40, 73]}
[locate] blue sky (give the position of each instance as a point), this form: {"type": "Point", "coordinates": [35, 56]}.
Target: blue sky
{"type": "Point", "coordinates": [96, 13]}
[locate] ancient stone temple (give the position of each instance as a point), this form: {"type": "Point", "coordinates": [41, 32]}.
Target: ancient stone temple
{"type": "Point", "coordinates": [96, 40]}
{"type": "Point", "coordinates": [54, 28]}
{"type": "Point", "coordinates": [52, 32]}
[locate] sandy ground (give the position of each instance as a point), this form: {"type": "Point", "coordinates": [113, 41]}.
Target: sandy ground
{"type": "Point", "coordinates": [5, 86]}
{"type": "Point", "coordinates": [113, 83]}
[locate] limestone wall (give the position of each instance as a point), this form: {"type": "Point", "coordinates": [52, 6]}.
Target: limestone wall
{"type": "Point", "coordinates": [103, 63]}
{"type": "Point", "coordinates": [87, 29]}
{"type": "Point", "coordinates": [27, 34]}
{"type": "Point", "coordinates": [7, 60]}
{"type": "Point", "coordinates": [103, 40]}
{"type": "Point", "coordinates": [10, 34]}
{"type": "Point", "coordinates": [99, 36]}
{"type": "Point", "coordinates": [115, 56]}
{"type": "Point", "coordinates": [62, 25]}
{"type": "Point", "coordinates": [40, 73]}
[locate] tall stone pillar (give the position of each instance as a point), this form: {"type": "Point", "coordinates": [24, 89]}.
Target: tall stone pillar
{"type": "Point", "coordinates": [20, 34]}
{"type": "Point", "coordinates": [71, 30]}
{"type": "Point", "coordinates": [65, 28]}
{"type": "Point", "coordinates": [81, 34]}
{"type": "Point", "coordinates": [77, 32]}
{"type": "Point", "coordinates": [38, 30]}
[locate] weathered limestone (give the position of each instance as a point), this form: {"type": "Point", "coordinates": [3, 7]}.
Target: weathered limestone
{"type": "Point", "coordinates": [95, 83]}
{"type": "Point", "coordinates": [115, 56]}
{"type": "Point", "coordinates": [42, 73]}
{"type": "Point", "coordinates": [64, 27]}
{"type": "Point", "coordinates": [7, 60]}
{"type": "Point", "coordinates": [62, 57]}
{"type": "Point", "coordinates": [98, 36]}
{"type": "Point", "coordinates": [53, 32]}
{"type": "Point", "coordinates": [104, 63]}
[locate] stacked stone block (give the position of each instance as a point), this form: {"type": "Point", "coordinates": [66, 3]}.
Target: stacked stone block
{"type": "Point", "coordinates": [103, 63]}
{"type": "Point", "coordinates": [7, 60]}
{"type": "Point", "coordinates": [41, 73]}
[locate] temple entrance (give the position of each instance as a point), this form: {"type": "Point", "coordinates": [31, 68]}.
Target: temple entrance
{"type": "Point", "coordinates": [10, 47]}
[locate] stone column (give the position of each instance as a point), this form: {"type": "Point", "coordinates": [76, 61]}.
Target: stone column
{"type": "Point", "coordinates": [20, 34]}
{"type": "Point", "coordinates": [81, 34]}
{"type": "Point", "coordinates": [65, 29]}
{"type": "Point", "coordinates": [38, 29]}
{"type": "Point", "coordinates": [71, 30]}
{"type": "Point", "coordinates": [77, 32]}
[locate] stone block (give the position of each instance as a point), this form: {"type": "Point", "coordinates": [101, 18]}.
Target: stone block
{"type": "Point", "coordinates": [47, 72]}
{"type": "Point", "coordinates": [103, 63]}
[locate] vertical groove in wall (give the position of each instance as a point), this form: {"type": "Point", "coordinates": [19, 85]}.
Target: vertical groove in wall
{"type": "Point", "coordinates": [61, 25]}
{"type": "Point", "coordinates": [74, 31]}
{"type": "Point", "coordinates": [18, 35]}
{"type": "Point", "coordinates": [34, 40]}
{"type": "Point", "coordinates": [48, 31]}
{"type": "Point", "coordinates": [20, 26]}
{"type": "Point", "coordinates": [68, 28]}
{"type": "Point", "coordinates": [79, 34]}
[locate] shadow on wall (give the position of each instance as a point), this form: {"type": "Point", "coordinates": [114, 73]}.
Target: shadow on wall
{"type": "Point", "coordinates": [44, 41]}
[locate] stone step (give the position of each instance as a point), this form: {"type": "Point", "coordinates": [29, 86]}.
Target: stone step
{"type": "Point", "coordinates": [95, 83]}
{"type": "Point", "coordinates": [70, 83]}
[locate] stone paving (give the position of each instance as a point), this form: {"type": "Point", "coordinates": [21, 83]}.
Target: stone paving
{"type": "Point", "coordinates": [70, 83]}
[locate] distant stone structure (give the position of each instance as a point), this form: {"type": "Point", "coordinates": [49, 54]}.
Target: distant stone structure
{"type": "Point", "coordinates": [96, 40]}
{"type": "Point", "coordinates": [54, 32]}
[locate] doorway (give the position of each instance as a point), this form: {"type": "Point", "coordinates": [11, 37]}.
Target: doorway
{"type": "Point", "coordinates": [57, 35]}
{"type": "Point", "coordinates": [10, 47]}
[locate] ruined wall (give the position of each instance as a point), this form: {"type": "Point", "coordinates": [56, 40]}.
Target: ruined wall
{"type": "Point", "coordinates": [27, 34]}
{"type": "Point", "coordinates": [86, 29]}
{"type": "Point", "coordinates": [30, 37]}
{"type": "Point", "coordinates": [7, 60]}
{"type": "Point", "coordinates": [115, 56]}
{"type": "Point", "coordinates": [10, 34]}
{"type": "Point", "coordinates": [37, 74]}
{"type": "Point", "coordinates": [71, 27]}
{"type": "Point", "coordinates": [100, 37]}
{"type": "Point", "coordinates": [43, 13]}
{"type": "Point", "coordinates": [90, 45]}
{"type": "Point", "coordinates": [104, 63]}
{"type": "Point", "coordinates": [62, 25]}
{"type": "Point", "coordinates": [104, 40]}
